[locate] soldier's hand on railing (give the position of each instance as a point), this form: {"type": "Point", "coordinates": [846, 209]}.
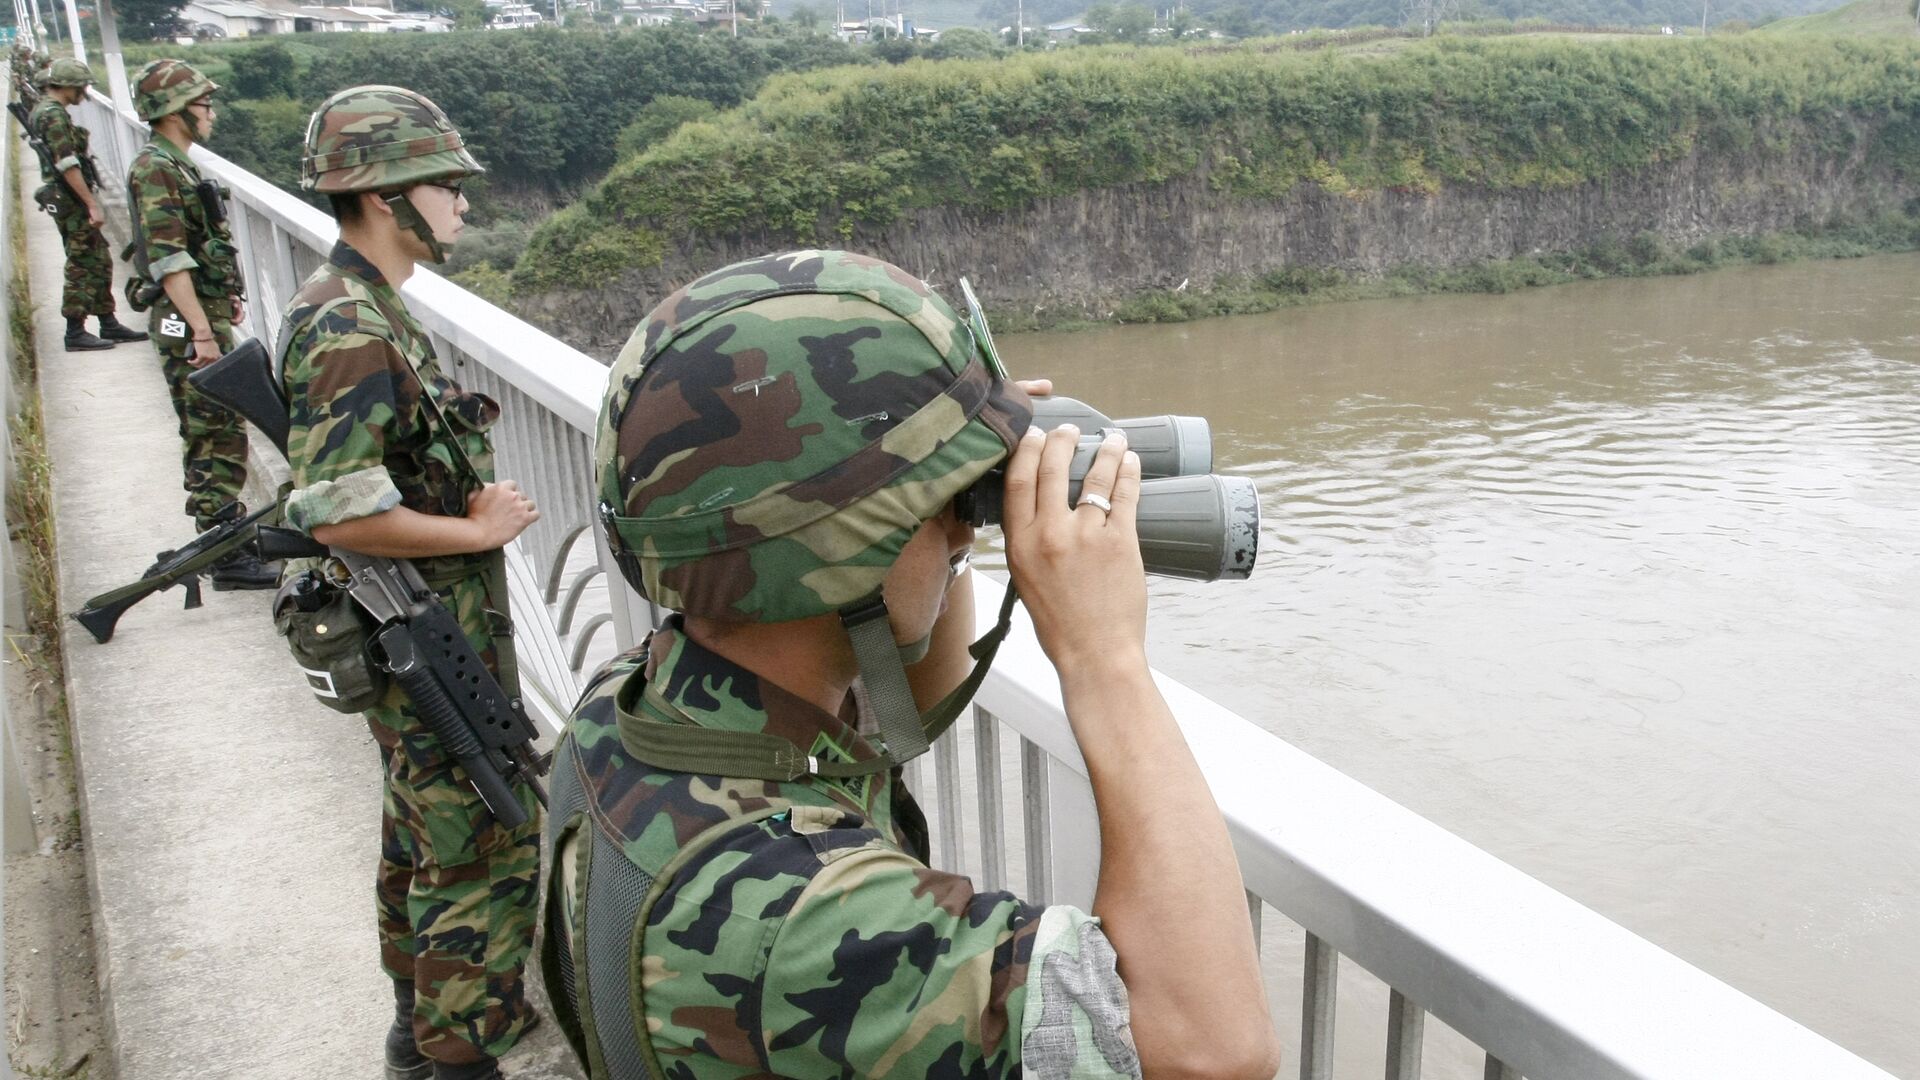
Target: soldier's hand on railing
{"type": "Point", "coordinates": [502, 511]}
{"type": "Point", "coordinates": [1078, 568]}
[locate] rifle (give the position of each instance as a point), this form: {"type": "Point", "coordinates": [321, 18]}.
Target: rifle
{"type": "Point", "coordinates": [89, 172]}
{"type": "Point", "coordinates": [182, 566]}
{"type": "Point", "coordinates": [416, 639]}
{"type": "Point", "coordinates": [40, 151]}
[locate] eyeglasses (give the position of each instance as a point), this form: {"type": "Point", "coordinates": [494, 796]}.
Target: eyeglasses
{"type": "Point", "coordinates": [451, 189]}
{"type": "Point", "coordinates": [204, 103]}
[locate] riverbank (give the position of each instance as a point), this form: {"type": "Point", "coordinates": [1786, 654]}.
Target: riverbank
{"type": "Point", "coordinates": [1645, 255]}
{"type": "Point", "coordinates": [1104, 183]}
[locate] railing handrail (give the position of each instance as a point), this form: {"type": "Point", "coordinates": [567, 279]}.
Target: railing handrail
{"type": "Point", "coordinates": [1544, 984]}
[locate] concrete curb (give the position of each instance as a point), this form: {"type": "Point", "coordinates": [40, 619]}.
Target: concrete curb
{"type": "Point", "coordinates": [232, 823]}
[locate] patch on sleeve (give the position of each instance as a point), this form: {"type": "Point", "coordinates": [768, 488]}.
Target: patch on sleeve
{"type": "Point", "coordinates": [355, 495]}
{"type": "Point", "coordinates": [1077, 1022]}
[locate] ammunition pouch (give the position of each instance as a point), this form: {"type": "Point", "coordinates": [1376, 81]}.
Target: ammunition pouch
{"type": "Point", "coordinates": [47, 197]}
{"type": "Point", "coordinates": [140, 292]}
{"type": "Point", "coordinates": [331, 643]}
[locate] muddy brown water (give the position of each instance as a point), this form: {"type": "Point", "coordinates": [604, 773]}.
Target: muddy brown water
{"type": "Point", "coordinates": [1619, 581]}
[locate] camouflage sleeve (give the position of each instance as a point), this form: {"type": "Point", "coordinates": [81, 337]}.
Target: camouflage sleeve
{"type": "Point", "coordinates": [343, 401]}
{"type": "Point", "coordinates": [163, 219]}
{"type": "Point", "coordinates": [887, 968]}
{"type": "Point", "coordinates": [63, 141]}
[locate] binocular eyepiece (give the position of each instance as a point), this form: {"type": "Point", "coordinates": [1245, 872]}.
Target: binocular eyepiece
{"type": "Point", "coordinates": [1192, 523]}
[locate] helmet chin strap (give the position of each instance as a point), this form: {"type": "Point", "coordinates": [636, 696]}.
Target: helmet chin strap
{"type": "Point", "coordinates": [407, 216]}
{"type": "Point", "coordinates": [883, 671]}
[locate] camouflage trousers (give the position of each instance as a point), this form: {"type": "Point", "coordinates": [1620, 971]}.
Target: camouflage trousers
{"type": "Point", "coordinates": [213, 444]}
{"type": "Point", "coordinates": [89, 282]}
{"type": "Point", "coordinates": [455, 893]}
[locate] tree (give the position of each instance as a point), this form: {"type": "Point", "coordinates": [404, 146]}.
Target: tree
{"type": "Point", "coordinates": [264, 72]}
{"type": "Point", "coordinates": [964, 43]}
{"type": "Point", "coordinates": [805, 18]}
{"type": "Point", "coordinates": [1127, 22]}
{"type": "Point", "coordinates": [658, 119]}
{"type": "Point", "coordinates": [149, 20]}
{"type": "Point", "coordinates": [1427, 15]}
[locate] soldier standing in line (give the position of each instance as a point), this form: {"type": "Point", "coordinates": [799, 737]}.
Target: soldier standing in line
{"type": "Point", "coordinates": [181, 243]}
{"type": "Point", "coordinates": [391, 458]}
{"type": "Point", "coordinates": [740, 884]}
{"type": "Point", "coordinates": [71, 178]}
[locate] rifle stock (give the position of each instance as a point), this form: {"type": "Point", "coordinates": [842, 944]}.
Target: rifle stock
{"type": "Point", "coordinates": [182, 566]}
{"type": "Point", "coordinates": [423, 646]}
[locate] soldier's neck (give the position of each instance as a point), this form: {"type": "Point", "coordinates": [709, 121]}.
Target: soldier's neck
{"type": "Point", "coordinates": [171, 129]}
{"type": "Point", "coordinates": [808, 658]}
{"type": "Point", "coordinates": [381, 246]}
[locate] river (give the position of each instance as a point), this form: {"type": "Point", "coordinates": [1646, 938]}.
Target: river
{"type": "Point", "coordinates": [1618, 580]}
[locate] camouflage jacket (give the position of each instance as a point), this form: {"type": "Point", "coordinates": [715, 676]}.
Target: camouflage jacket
{"type": "Point", "coordinates": [66, 141]}
{"type": "Point", "coordinates": [173, 229]}
{"type": "Point", "coordinates": [815, 942]}
{"type": "Point", "coordinates": [362, 441]}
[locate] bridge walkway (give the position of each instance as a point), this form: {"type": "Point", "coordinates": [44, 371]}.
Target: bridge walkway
{"type": "Point", "coordinates": [231, 822]}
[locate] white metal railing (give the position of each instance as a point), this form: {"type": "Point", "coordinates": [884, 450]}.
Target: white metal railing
{"type": "Point", "coordinates": [1543, 986]}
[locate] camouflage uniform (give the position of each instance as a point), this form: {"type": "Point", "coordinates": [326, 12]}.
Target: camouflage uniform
{"type": "Point", "coordinates": [89, 280]}
{"type": "Point", "coordinates": [772, 437]}
{"type": "Point", "coordinates": [177, 235]}
{"type": "Point", "coordinates": [455, 891]}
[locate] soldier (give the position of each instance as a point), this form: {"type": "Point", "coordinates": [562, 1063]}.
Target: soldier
{"type": "Point", "coordinates": [181, 242]}
{"type": "Point", "coordinates": [391, 458]}
{"type": "Point", "coordinates": [71, 178]}
{"type": "Point", "coordinates": [740, 884]}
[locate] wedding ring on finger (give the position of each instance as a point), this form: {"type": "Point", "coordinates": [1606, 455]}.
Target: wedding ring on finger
{"type": "Point", "coordinates": [1094, 498]}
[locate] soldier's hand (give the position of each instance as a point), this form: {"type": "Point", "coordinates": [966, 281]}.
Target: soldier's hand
{"type": "Point", "coordinates": [205, 351]}
{"type": "Point", "coordinates": [502, 511]}
{"type": "Point", "coordinates": [239, 312]}
{"type": "Point", "coordinates": [1078, 567]}
{"type": "Point", "coordinates": [95, 217]}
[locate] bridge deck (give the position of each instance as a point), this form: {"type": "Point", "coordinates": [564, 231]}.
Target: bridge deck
{"type": "Point", "coordinates": [231, 821]}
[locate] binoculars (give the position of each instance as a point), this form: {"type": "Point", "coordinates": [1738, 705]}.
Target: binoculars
{"type": "Point", "coordinates": [1192, 524]}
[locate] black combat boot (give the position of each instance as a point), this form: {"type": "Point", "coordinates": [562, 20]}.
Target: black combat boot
{"type": "Point", "coordinates": [78, 340]}
{"type": "Point", "coordinates": [404, 1060]}
{"type": "Point", "coordinates": [242, 569]}
{"type": "Point", "coordinates": [484, 1069]}
{"type": "Point", "coordinates": [112, 330]}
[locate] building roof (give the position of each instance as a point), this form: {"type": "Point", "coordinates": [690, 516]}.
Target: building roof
{"type": "Point", "coordinates": [234, 9]}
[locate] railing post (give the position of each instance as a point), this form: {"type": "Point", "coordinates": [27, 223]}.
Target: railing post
{"type": "Point", "coordinates": [1406, 1029]}
{"type": "Point", "coordinates": [1319, 988]}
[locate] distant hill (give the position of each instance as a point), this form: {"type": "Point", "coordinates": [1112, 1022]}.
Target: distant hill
{"type": "Point", "coordinates": [1871, 17]}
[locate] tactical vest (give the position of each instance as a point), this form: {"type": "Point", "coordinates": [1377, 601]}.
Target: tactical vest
{"type": "Point", "coordinates": [596, 997]}
{"type": "Point", "coordinates": [209, 240]}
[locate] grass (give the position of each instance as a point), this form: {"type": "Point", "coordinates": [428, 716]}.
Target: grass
{"type": "Point", "coordinates": [1864, 17]}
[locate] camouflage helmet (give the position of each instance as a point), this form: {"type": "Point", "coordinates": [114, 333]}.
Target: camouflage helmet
{"type": "Point", "coordinates": [164, 87]}
{"type": "Point", "coordinates": [67, 71]}
{"type": "Point", "coordinates": [775, 432]}
{"type": "Point", "coordinates": [373, 138]}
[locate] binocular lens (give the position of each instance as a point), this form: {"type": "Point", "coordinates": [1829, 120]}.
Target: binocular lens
{"type": "Point", "coordinates": [1192, 524]}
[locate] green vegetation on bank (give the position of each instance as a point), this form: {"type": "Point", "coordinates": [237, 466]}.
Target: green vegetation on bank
{"type": "Point", "coordinates": [1894, 18]}
{"type": "Point", "coordinates": [817, 157]}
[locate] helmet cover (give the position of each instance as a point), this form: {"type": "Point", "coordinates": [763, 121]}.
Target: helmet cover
{"type": "Point", "coordinates": [377, 138]}
{"type": "Point", "coordinates": [67, 71]}
{"type": "Point", "coordinates": [775, 432]}
{"type": "Point", "coordinates": [165, 87]}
